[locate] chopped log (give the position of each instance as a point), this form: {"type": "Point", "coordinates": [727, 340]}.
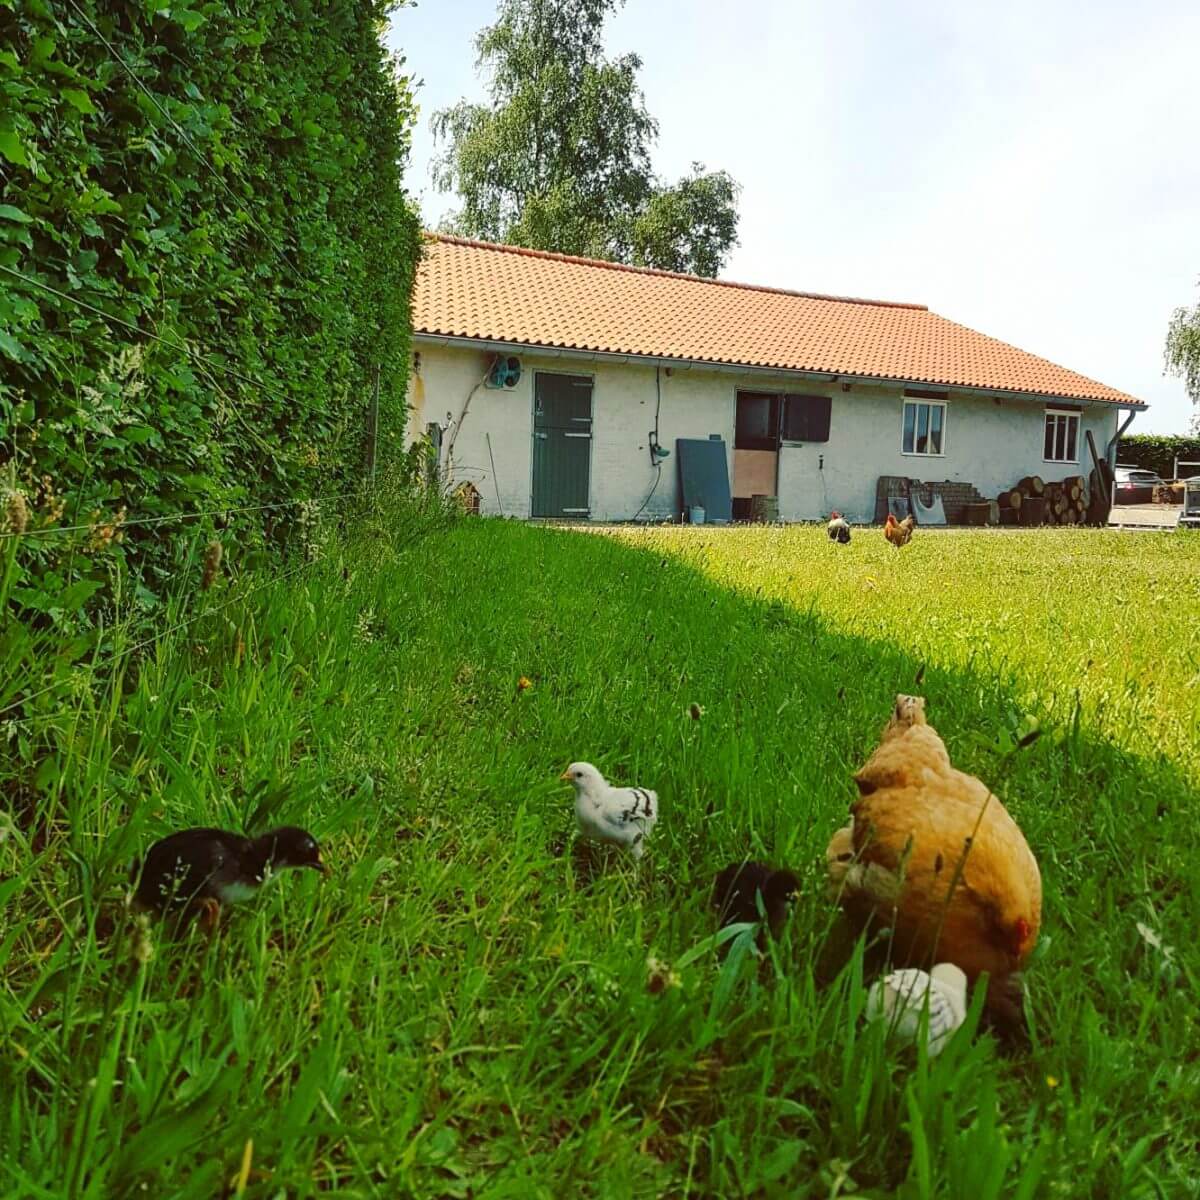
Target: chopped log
{"type": "Point", "coordinates": [1010, 499]}
{"type": "Point", "coordinates": [1037, 486]}
{"type": "Point", "coordinates": [1032, 511]}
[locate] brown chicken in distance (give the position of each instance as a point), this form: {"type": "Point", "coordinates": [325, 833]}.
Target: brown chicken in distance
{"type": "Point", "coordinates": [930, 853]}
{"type": "Point", "coordinates": [899, 533]}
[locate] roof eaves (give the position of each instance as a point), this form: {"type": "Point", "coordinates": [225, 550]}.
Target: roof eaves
{"type": "Point", "coordinates": [1118, 400]}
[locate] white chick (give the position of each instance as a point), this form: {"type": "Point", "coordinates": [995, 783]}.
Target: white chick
{"type": "Point", "coordinates": [899, 999]}
{"type": "Point", "coordinates": [621, 817]}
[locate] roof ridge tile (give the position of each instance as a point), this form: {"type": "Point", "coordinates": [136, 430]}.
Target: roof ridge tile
{"type": "Point", "coordinates": [579, 260]}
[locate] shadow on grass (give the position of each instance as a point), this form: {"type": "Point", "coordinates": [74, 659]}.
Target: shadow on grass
{"type": "Point", "coordinates": [415, 753]}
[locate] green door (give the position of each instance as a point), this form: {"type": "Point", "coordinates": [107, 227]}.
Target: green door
{"type": "Point", "coordinates": [562, 445]}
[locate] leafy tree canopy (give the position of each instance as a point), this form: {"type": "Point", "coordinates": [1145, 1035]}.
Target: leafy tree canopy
{"type": "Point", "coordinates": [559, 159]}
{"type": "Point", "coordinates": [1183, 353]}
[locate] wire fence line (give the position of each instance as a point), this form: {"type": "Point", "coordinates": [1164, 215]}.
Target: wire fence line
{"type": "Point", "coordinates": [411, 537]}
{"type": "Point", "coordinates": [227, 511]}
{"type": "Point", "coordinates": [207, 610]}
{"type": "Point", "coordinates": [208, 364]}
{"type": "Point", "coordinates": [180, 346]}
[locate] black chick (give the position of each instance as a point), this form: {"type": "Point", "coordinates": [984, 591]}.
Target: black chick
{"type": "Point", "coordinates": [739, 886]}
{"type": "Point", "coordinates": [198, 870]}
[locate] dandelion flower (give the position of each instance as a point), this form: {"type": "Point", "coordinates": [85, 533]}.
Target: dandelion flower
{"type": "Point", "coordinates": [524, 683]}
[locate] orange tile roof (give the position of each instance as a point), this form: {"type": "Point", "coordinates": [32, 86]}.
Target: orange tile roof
{"type": "Point", "coordinates": [509, 294]}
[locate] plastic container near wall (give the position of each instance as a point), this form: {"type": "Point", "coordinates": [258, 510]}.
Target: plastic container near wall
{"type": "Point", "coordinates": [696, 514]}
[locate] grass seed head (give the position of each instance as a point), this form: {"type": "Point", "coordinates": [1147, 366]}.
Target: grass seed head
{"type": "Point", "coordinates": [104, 535]}
{"type": "Point", "coordinates": [212, 564]}
{"type": "Point", "coordinates": [660, 976]}
{"type": "Point", "coordinates": [143, 942]}
{"type": "Point", "coordinates": [16, 511]}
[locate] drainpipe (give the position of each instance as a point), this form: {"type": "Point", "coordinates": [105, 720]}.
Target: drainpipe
{"type": "Point", "coordinates": [1111, 449]}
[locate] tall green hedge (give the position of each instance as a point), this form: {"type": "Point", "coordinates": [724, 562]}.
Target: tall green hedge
{"type": "Point", "coordinates": [1153, 452]}
{"type": "Point", "coordinates": [221, 180]}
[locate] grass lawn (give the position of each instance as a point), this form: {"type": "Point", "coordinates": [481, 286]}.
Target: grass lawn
{"type": "Point", "coordinates": [459, 1012]}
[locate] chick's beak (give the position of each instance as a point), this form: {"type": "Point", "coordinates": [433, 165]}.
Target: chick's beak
{"type": "Point", "coordinates": [321, 867]}
{"type": "Point", "coordinates": [565, 776]}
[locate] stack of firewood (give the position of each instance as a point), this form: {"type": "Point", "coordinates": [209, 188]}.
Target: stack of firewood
{"type": "Point", "coordinates": [1012, 500]}
{"type": "Point", "coordinates": [1062, 503]}
{"type": "Point", "coordinates": [1067, 502]}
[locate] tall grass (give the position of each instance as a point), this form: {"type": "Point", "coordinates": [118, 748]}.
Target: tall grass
{"type": "Point", "coordinates": [463, 1010]}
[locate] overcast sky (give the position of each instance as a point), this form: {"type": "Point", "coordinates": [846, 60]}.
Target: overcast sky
{"type": "Point", "coordinates": [1029, 169]}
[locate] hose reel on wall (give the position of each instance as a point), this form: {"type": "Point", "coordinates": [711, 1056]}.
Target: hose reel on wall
{"type": "Point", "coordinates": [505, 373]}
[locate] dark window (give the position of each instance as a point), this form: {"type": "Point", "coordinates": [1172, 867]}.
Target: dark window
{"type": "Point", "coordinates": [806, 418]}
{"type": "Point", "coordinates": [757, 421]}
{"type": "Point", "coordinates": [763, 419]}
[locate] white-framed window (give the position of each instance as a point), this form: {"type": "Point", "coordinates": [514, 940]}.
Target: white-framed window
{"type": "Point", "coordinates": [924, 429]}
{"type": "Point", "coordinates": [1062, 436]}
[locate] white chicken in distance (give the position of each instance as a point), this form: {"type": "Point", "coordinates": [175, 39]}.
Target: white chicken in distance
{"type": "Point", "coordinates": [620, 817]}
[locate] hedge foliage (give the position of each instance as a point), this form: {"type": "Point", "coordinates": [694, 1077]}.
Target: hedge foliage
{"type": "Point", "coordinates": [215, 190]}
{"type": "Point", "coordinates": [1153, 452]}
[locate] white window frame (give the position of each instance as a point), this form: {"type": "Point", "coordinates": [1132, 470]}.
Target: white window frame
{"type": "Point", "coordinates": [1062, 412]}
{"type": "Point", "coordinates": [918, 401]}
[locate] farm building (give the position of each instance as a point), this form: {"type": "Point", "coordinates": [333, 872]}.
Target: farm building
{"type": "Point", "coordinates": [554, 381]}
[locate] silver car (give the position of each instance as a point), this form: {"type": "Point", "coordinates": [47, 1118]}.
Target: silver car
{"type": "Point", "coordinates": [1133, 485]}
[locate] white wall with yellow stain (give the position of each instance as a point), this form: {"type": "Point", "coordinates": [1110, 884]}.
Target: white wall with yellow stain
{"type": "Point", "coordinates": [990, 441]}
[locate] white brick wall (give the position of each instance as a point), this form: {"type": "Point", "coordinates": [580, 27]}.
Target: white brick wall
{"type": "Point", "coordinates": [988, 443]}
